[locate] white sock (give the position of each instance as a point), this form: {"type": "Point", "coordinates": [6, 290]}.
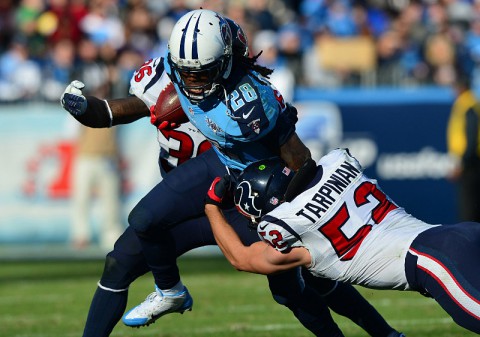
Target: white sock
{"type": "Point", "coordinates": [172, 291]}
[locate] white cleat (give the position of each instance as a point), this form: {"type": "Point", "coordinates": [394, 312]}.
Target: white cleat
{"type": "Point", "coordinates": [156, 305]}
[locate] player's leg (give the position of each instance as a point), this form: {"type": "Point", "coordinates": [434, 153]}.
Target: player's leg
{"type": "Point", "coordinates": [345, 300]}
{"type": "Point", "coordinates": [179, 197]}
{"type": "Point", "coordinates": [122, 266]}
{"type": "Point", "coordinates": [443, 262]}
{"type": "Point", "coordinates": [185, 236]}
{"type": "Point", "coordinates": [125, 264]}
{"type": "Point", "coordinates": [310, 309]}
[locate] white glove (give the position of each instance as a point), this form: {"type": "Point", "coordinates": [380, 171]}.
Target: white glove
{"type": "Point", "coordinates": [73, 100]}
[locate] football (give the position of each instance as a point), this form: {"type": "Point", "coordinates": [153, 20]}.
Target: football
{"type": "Point", "coordinates": [168, 107]}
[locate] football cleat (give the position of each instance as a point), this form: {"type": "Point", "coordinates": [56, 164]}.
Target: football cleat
{"type": "Point", "coordinates": [157, 305]}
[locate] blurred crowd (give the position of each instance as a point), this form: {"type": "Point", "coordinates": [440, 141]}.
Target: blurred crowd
{"type": "Point", "coordinates": [44, 44]}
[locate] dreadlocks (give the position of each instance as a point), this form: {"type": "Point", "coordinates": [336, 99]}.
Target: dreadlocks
{"type": "Point", "coordinates": [251, 64]}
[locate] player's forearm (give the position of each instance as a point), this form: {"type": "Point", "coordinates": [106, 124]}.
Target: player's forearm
{"type": "Point", "coordinates": [127, 110]}
{"type": "Point", "coordinates": [226, 238]}
{"type": "Point", "coordinates": [105, 113]}
{"type": "Point", "coordinates": [258, 258]}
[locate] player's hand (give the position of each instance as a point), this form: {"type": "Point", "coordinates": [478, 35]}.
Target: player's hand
{"type": "Point", "coordinates": [165, 125]}
{"type": "Point", "coordinates": [218, 190]}
{"type": "Point", "coordinates": [73, 100]}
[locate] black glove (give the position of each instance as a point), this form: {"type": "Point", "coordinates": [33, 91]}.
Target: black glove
{"type": "Point", "coordinates": [219, 189]}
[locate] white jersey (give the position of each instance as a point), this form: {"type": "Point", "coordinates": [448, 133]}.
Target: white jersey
{"type": "Point", "coordinates": [180, 144]}
{"type": "Point", "coordinates": [353, 231]}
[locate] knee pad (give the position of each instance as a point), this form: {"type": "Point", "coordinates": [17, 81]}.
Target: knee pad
{"type": "Point", "coordinates": [119, 276]}
{"type": "Point", "coordinates": [140, 219]}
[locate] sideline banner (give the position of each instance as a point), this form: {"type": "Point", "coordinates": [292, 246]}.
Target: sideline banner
{"type": "Point", "coordinates": [399, 136]}
{"type": "Point", "coordinates": [37, 149]}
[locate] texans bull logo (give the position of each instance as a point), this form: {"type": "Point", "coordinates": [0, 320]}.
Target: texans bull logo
{"type": "Point", "coordinates": [245, 200]}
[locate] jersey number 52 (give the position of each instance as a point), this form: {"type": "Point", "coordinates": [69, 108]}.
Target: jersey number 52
{"type": "Point", "coordinates": [347, 247]}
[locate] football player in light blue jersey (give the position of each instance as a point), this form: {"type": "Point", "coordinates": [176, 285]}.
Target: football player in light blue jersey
{"type": "Point", "coordinates": [226, 96]}
{"type": "Point", "coordinates": [235, 115]}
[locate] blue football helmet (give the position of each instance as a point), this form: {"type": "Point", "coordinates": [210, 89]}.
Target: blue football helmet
{"type": "Point", "coordinates": [261, 187]}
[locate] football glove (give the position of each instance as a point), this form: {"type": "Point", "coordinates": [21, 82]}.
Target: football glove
{"type": "Point", "coordinates": [73, 100]}
{"type": "Point", "coordinates": [219, 188]}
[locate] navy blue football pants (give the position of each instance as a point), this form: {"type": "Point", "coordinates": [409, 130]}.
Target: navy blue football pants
{"type": "Point", "coordinates": [444, 263]}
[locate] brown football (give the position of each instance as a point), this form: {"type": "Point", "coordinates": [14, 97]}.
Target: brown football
{"type": "Point", "coordinates": [168, 107]}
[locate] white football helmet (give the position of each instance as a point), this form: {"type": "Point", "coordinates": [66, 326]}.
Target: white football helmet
{"type": "Point", "coordinates": [200, 53]}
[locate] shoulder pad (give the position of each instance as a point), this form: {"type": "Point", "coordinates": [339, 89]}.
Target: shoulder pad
{"type": "Point", "coordinates": [147, 74]}
{"type": "Point", "coordinates": [276, 236]}
{"type": "Point", "coordinates": [149, 80]}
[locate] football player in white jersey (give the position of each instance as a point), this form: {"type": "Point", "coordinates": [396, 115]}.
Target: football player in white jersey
{"type": "Point", "coordinates": [339, 224]}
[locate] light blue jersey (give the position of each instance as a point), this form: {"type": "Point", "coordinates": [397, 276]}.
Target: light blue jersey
{"type": "Point", "coordinates": [243, 127]}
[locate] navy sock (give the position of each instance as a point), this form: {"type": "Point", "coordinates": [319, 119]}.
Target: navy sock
{"type": "Point", "coordinates": [106, 310]}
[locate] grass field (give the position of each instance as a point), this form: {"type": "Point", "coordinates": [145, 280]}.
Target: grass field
{"type": "Point", "coordinates": [50, 299]}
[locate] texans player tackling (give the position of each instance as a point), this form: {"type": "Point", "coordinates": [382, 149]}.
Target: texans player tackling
{"type": "Point", "coordinates": [340, 225]}
{"type": "Point", "coordinates": [226, 98]}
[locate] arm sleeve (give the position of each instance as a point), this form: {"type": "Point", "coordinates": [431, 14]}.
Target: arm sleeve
{"type": "Point", "coordinates": [97, 114]}
{"type": "Point", "coordinates": [104, 114]}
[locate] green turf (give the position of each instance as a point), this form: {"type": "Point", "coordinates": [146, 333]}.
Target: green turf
{"type": "Point", "coordinates": [50, 299]}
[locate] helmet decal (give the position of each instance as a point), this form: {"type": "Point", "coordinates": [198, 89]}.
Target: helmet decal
{"type": "Point", "coordinates": [184, 35]}
{"type": "Point", "coordinates": [226, 33]}
{"type": "Point", "coordinates": [246, 200]}
{"type": "Point", "coordinates": [274, 201]}
{"type": "Point", "coordinates": [195, 32]}
{"type": "Point", "coordinates": [241, 37]}
{"type": "Point", "coordinates": [286, 171]}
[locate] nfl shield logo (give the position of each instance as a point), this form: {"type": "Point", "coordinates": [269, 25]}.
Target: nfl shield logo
{"type": "Point", "coordinates": [255, 126]}
{"type": "Point", "coordinates": [274, 201]}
